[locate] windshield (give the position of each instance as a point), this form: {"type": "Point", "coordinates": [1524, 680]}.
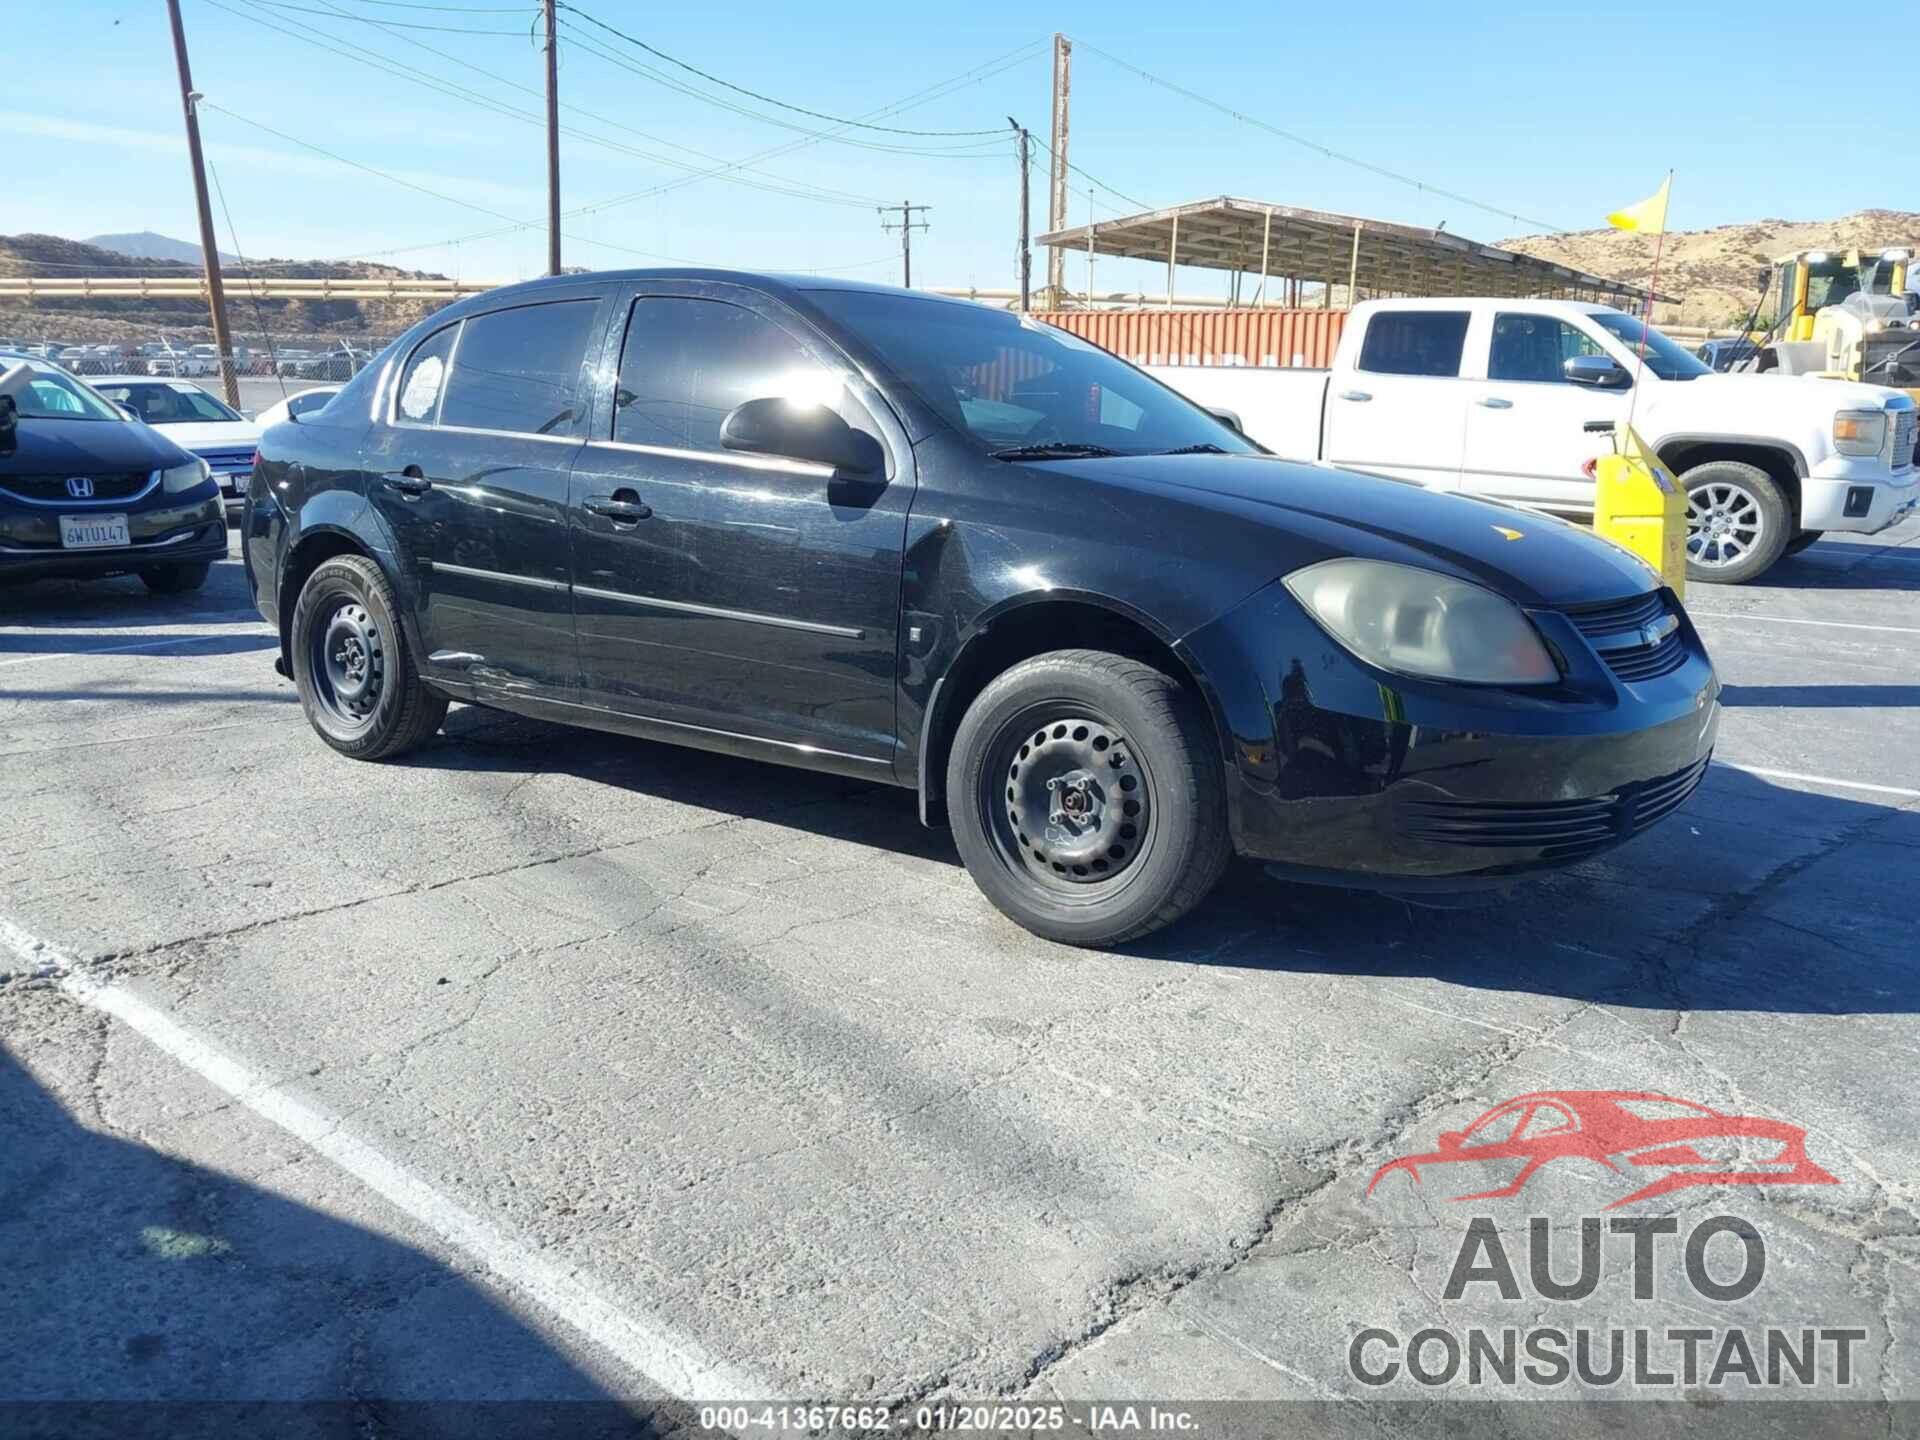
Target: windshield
{"type": "Point", "coordinates": [52, 394]}
{"type": "Point", "coordinates": [1664, 358]}
{"type": "Point", "coordinates": [169, 402]}
{"type": "Point", "coordinates": [1013, 384]}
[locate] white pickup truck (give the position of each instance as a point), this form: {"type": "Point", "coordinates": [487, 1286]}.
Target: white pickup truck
{"type": "Point", "coordinates": [1492, 397]}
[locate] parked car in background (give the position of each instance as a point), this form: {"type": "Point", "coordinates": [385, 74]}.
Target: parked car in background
{"type": "Point", "coordinates": [1491, 397]}
{"type": "Point", "coordinates": [195, 421]}
{"type": "Point", "coordinates": [925, 542]}
{"type": "Point", "coordinates": [1723, 355]}
{"type": "Point", "coordinates": [85, 491]}
{"type": "Point", "coordinates": [296, 406]}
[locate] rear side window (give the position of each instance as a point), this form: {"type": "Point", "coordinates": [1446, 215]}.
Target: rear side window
{"type": "Point", "coordinates": [417, 402]}
{"type": "Point", "coordinates": [686, 363]}
{"type": "Point", "coordinates": [519, 369]}
{"type": "Point", "coordinates": [1414, 342]}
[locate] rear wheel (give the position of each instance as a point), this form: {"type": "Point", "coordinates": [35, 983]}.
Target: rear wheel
{"type": "Point", "coordinates": [1738, 522]}
{"type": "Point", "coordinates": [175, 579]}
{"type": "Point", "coordinates": [358, 683]}
{"type": "Point", "coordinates": [1087, 797]}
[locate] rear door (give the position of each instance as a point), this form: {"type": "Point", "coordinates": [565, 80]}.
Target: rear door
{"type": "Point", "coordinates": [471, 472]}
{"type": "Point", "coordinates": [1400, 411]}
{"type": "Point", "coordinates": [1525, 439]}
{"type": "Point", "coordinates": [726, 592]}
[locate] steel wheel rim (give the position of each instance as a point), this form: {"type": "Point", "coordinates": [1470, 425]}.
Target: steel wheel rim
{"type": "Point", "coordinates": [1725, 524]}
{"type": "Point", "coordinates": [1070, 802]}
{"type": "Point", "coordinates": [346, 655]}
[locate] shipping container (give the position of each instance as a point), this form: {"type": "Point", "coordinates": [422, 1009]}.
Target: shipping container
{"type": "Point", "coordinates": [1273, 338]}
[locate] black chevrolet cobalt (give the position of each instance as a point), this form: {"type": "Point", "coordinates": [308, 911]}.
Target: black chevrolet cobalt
{"type": "Point", "coordinates": [86, 491]}
{"type": "Point", "coordinates": [914, 540]}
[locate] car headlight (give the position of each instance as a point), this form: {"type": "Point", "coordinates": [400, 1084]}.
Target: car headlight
{"type": "Point", "coordinates": [1860, 432]}
{"type": "Point", "coordinates": [182, 478]}
{"type": "Point", "coordinates": [1420, 623]}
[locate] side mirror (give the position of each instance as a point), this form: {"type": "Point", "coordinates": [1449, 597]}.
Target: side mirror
{"type": "Point", "coordinates": [1227, 418]}
{"type": "Point", "coordinates": [1598, 371]}
{"type": "Point", "coordinates": [801, 432]}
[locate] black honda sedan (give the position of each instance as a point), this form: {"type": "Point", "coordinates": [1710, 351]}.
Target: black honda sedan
{"type": "Point", "coordinates": [927, 543]}
{"type": "Point", "coordinates": [85, 491]}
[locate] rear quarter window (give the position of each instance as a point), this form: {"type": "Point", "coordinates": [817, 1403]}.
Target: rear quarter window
{"type": "Point", "coordinates": [1414, 342]}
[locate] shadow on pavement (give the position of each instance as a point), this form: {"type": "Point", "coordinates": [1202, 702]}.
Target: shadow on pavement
{"type": "Point", "coordinates": [18, 644]}
{"type": "Point", "coordinates": [1823, 697]}
{"type": "Point", "coordinates": [144, 1295]}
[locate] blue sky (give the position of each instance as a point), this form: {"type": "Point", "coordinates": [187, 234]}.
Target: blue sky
{"type": "Point", "coordinates": [1559, 113]}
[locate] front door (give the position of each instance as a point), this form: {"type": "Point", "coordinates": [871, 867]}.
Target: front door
{"type": "Point", "coordinates": [472, 471]}
{"type": "Point", "coordinates": [1398, 412]}
{"type": "Point", "coordinates": [1526, 438]}
{"type": "Point", "coordinates": [728, 592]}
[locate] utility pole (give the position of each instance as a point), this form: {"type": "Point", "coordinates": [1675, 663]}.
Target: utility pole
{"type": "Point", "coordinates": [1025, 254]}
{"type": "Point", "coordinates": [906, 227]}
{"type": "Point", "coordinates": [1057, 176]}
{"type": "Point", "coordinates": [209, 252]}
{"type": "Point", "coordinates": [553, 141]}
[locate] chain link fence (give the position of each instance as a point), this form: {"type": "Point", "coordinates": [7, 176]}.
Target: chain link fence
{"type": "Point", "coordinates": [319, 359]}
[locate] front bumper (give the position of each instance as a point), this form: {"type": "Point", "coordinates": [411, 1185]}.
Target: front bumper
{"type": "Point", "coordinates": [187, 532]}
{"type": "Point", "coordinates": [1826, 498]}
{"type": "Point", "coordinates": [1346, 775]}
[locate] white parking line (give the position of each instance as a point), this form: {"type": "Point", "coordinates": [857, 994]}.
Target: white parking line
{"type": "Point", "coordinates": [656, 1352]}
{"type": "Point", "coordinates": [1788, 620]}
{"type": "Point", "coordinates": [112, 649]}
{"type": "Point", "coordinates": [1825, 780]}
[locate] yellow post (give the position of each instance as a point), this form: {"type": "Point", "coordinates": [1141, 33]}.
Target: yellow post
{"type": "Point", "coordinates": [1639, 506]}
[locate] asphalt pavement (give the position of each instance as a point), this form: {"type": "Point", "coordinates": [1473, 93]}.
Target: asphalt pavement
{"type": "Point", "coordinates": [546, 1066]}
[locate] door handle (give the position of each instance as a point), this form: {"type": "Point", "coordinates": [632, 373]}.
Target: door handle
{"type": "Point", "coordinates": [1494, 402]}
{"type": "Point", "coordinates": [623, 507]}
{"type": "Point", "coordinates": [408, 481]}
{"type": "Point", "coordinates": [1357, 395]}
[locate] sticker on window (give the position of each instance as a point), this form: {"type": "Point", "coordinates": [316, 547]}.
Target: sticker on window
{"type": "Point", "coordinates": [423, 388]}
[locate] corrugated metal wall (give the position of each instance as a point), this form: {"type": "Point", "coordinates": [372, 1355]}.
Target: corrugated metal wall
{"type": "Point", "coordinates": [1209, 337]}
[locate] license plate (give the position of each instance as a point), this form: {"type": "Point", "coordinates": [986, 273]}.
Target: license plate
{"type": "Point", "coordinates": [93, 532]}
{"type": "Point", "coordinates": [237, 485]}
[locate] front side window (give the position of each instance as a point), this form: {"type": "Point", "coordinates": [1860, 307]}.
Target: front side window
{"type": "Point", "coordinates": [687, 363]}
{"type": "Point", "coordinates": [1665, 359]}
{"type": "Point", "coordinates": [519, 369]}
{"type": "Point", "coordinates": [1414, 342]}
{"type": "Point", "coordinates": [417, 402]}
{"type": "Point", "coordinates": [169, 403]}
{"type": "Point", "coordinates": [1535, 348]}
{"type": "Point", "coordinates": [1011, 383]}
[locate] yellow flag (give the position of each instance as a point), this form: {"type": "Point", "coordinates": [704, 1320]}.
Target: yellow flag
{"type": "Point", "coordinates": [1649, 217]}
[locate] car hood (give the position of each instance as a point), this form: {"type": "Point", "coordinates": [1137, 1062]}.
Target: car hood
{"type": "Point", "coordinates": [88, 447]}
{"type": "Point", "coordinates": [1529, 557]}
{"type": "Point", "coordinates": [212, 434]}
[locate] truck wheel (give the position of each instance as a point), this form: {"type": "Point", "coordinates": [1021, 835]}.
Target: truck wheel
{"type": "Point", "coordinates": [1738, 522]}
{"type": "Point", "coordinates": [357, 681]}
{"type": "Point", "coordinates": [1087, 797]}
{"type": "Point", "coordinates": [175, 579]}
{"type": "Point", "coordinates": [1802, 541]}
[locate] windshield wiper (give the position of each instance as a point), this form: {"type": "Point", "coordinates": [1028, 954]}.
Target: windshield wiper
{"type": "Point", "coordinates": [1205, 447]}
{"type": "Point", "coordinates": [1054, 450]}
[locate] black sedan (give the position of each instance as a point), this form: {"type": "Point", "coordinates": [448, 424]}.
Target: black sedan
{"type": "Point", "coordinates": [84, 491]}
{"type": "Point", "coordinates": [928, 543]}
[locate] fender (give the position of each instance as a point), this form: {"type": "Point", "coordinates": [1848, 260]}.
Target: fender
{"type": "Point", "coordinates": [348, 515]}
{"type": "Point", "coordinates": [1784, 448]}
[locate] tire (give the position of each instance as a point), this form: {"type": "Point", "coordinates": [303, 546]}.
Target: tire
{"type": "Point", "coordinates": [358, 683]}
{"type": "Point", "coordinates": [1801, 541]}
{"type": "Point", "coordinates": [1758, 522]}
{"type": "Point", "coordinates": [175, 579]}
{"type": "Point", "coordinates": [1144, 848]}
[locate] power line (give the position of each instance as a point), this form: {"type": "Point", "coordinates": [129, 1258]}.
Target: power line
{"type": "Point", "coordinates": [1316, 146]}
{"type": "Point", "coordinates": [455, 9]}
{"type": "Point", "coordinates": [756, 95]}
{"type": "Point", "coordinates": [403, 24]}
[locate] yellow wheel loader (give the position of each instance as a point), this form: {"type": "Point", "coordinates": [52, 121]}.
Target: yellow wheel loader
{"type": "Point", "coordinates": [1845, 314]}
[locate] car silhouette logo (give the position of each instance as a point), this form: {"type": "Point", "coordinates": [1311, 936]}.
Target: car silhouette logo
{"type": "Point", "coordinates": [80, 487]}
{"type": "Point", "coordinates": [1633, 1133]}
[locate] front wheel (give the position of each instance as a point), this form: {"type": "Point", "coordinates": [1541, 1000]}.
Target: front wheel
{"type": "Point", "coordinates": [175, 579]}
{"type": "Point", "coordinates": [1087, 797]}
{"type": "Point", "coordinates": [1802, 541]}
{"type": "Point", "coordinates": [1738, 522]}
{"type": "Point", "coordinates": [358, 683]}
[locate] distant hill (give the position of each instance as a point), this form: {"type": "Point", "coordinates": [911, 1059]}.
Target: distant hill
{"type": "Point", "coordinates": [93, 321]}
{"type": "Point", "coordinates": [145, 245]}
{"type": "Point", "coordinates": [1716, 272]}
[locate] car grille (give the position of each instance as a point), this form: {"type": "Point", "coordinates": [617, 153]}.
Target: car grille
{"type": "Point", "coordinates": [227, 462]}
{"type": "Point", "coordinates": [1558, 829]}
{"type": "Point", "coordinates": [1619, 629]}
{"type": "Point", "coordinates": [52, 489]}
{"type": "Point", "coordinates": [1905, 450]}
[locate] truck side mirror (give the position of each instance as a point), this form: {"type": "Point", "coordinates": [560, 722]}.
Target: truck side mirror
{"type": "Point", "coordinates": [1599, 371]}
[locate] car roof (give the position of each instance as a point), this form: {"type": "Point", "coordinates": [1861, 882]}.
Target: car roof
{"type": "Point", "coordinates": [1485, 302]}
{"type": "Point", "coordinates": [139, 380]}
{"type": "Point", "coordinates": [782, 285]}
